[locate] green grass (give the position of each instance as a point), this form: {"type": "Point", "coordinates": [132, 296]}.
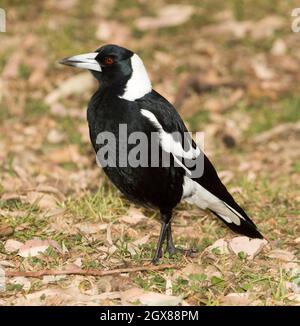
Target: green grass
{"type": "Point", "coordinates": [35, 108]}
{"type": "Point", "coordinates": [104, 205]}
{"type": "Point", "coordinates": [265, 115]}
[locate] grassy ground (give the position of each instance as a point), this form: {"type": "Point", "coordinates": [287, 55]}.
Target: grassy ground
{"type": "Point", "coordinates": [51, 187]}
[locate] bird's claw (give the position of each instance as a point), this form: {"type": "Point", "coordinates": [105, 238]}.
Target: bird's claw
{"type": "Point", "coordinates": [186, 252]}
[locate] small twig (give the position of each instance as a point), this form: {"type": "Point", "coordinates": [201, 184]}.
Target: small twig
{"type": "Point", "coordinates": [91, 272]}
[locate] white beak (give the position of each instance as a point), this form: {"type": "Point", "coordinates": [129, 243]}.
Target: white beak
{"type": "Point", "coordinates": [85, 61]}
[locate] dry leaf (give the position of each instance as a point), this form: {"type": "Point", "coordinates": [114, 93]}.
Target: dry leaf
{"type": "Point", "coordinates": [32, 248]}
{"type": "Point", "coordinates": [251, 247]}
{"type": "Point", "coordinates": [64, 155]}
{"type": "Point", "coordinates": [221, 245]}
{"type": "Point", "coordinates": [113, 31]}
{"type": "Point", "coordinates": [77, 84]}
{"type": "Point", "coordinates": [44, 201]}
{"type": "Point", "coordinates": [148, 298]}
{"type": "Point", "coordinates": [62, 297]}
{"type": "Point", "coordinates": [6, 230]}
{"type": "Point", "coordinates": [292, 268]}
{"type": "Point", "coordinates": [133, 247]}
{"type": "Point", "coordinates": [236, 299]}
{"type": "Point", "coordinates": [6, 263]}
{"type": "Point", "coordinates": [11, 69]}
{"type": "Point", "coordinates": [108, 234]}
{"type": "Point", "coordinates": [158, 299]}
{"type": "Point", "coordinates": [134, 216]}
{"type": "Point", "coordinates": [237, 29]}
{"type": "Point", "coordinates": [12, 245]}
{"type": "Point", "coordinates": [282, 255]}
{"type": "Point", "coordinates": [91, 228]}
{"type": "Point", "coordinates": [266, 27]}
{"type": "Point", "coordinates": [261, 69]}
{"type": "Point", "coordinates": [294, 297]}
{"type": "Point", "coordinates": [26, 284]}
{"type": "Point", "coordinates": [52, 278]}
{"type": "Point", "coordinates": [170, 15]}
{"type": "Point", "coordinates": [279, 47]}
{"type": "Point", "coordinates": [55, 136]}
{"type": "Point", "coordinates": [169, 287]}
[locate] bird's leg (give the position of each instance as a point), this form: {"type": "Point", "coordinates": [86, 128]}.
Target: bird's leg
{"type": "Point", "coordinates": [170, 244]}
{"type": "Point", "coordinates": [162, 236]}
{"type": "Point", "coordinates": [171, 247]}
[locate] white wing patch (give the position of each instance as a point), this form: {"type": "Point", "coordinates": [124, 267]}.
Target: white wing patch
{"type": "Point", "coordinates": [139, 83]}
{"type": "Point", "coordinates": [194, 193]}
{"type": "Point", "coordinates": [168, 143]}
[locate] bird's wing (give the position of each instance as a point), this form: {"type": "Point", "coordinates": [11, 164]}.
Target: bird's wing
{"type": "Point", "coordinates": [205, 189]}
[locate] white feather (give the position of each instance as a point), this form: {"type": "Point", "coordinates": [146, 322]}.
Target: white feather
{"type": "Point", "coordinates": [194, 193]}
{"type": "Point", "coordinates": [139, 83]}
{"type": "Point", "coordinates": [168, 143]}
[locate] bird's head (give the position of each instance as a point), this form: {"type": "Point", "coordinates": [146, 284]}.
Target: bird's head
{"type": "Point", "coordinates": [116, 67]}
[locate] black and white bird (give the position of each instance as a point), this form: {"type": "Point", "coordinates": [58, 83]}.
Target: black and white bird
{"type": "Point", "coordinates": [125, 96]}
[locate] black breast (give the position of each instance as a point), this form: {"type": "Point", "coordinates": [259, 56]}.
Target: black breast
{"type": "Point", "coordinates": [155, 186]}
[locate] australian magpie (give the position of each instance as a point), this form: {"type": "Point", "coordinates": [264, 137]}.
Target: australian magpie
{"type": "Point", "coordinates": [125, 97]}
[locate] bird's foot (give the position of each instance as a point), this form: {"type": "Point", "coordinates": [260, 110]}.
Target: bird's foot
{"type": "Point", "coordinates": [156, 258]}
{"type": "Point", "coordinates": [186, 252]}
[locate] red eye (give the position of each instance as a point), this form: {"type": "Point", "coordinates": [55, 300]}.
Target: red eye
{"type": "Point", "coordinates": [108, 60]}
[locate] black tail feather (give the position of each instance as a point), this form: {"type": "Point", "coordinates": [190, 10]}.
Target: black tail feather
{"type": "Point", "coordinates": [245, 228]}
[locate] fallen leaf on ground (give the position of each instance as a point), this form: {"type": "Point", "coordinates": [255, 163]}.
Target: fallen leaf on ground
{"type": "Point", "coordinates": [12, 245]}
{"type": "Point", "coordinates": [237, 29]}
{"type": "Point", "coordinates": [282, 255]}
{"type": "Point", "coordinates": [34, 247]}
{"type": "Point", "coordinates": [108, 234]}
{"type": "Point", "coordinates": [279, 47]}
{"type": "Point", "coordinates": [64, 155]}
{"type": "Point", "coordinates": [134, 216]}
{"type": "Point", "coordinates": [251, 247]}
{"type": "Point", "coordinates": [77, 84]}
{"type": "Point", "coordinates": [15, 213]}
{"type": "Point", "coordinates": [24, 281]}
{"type": "Point", "coordinates": [261, 69]}
{"type": "Point", "coordinates": [236, 299]}
{"type": "Point", "coordinates": [11, 69]}
{"type": "Point", "coordinates": [169, 287]}
{"type": "Point", "coordinates": [42, 200]}
{"type": "Point", "coordinates": [170, 15]}
{"type": "Point", "coordinates": [55, 136]}
{"type": "Point", "coordinates": [6, 263]}
{"type": "Point", "coordinates": [52, 278]}
{"type": "Point", "coordinates": [91, 228]}
{"type": "Point", "coordinates": [6, 230]}
{"type": "Point", "coordinates": [266, 27]}
{"type": "Point", "coordinates": [294, 297]}
{"type": "Point", "coordinates": [113, 31]}
{"type": "Point", "coordinates": [221, 245]}
{"type": "Point", "coordinates": [133, 247]}
{"type": "Point", "coordinates": [158, 299]}
{"type": "Point", "coordinates": [56, 296]}
{"type": "Point", "coordinates": [189, 269]}
{"type": "Point", "coordinates": [148, 298]}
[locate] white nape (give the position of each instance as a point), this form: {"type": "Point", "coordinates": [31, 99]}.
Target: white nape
{"type": "Point", "coordinates": [168, 143]}
{"type": "Point", "coordinates": [194, 193]}
{"type": "Point", "coordinates": [139, 83]}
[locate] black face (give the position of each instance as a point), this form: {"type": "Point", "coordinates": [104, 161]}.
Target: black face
{"type": "Point", "coordinates": [109, 64]}
{"type": "Point", "coordinates": [115, 63]}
